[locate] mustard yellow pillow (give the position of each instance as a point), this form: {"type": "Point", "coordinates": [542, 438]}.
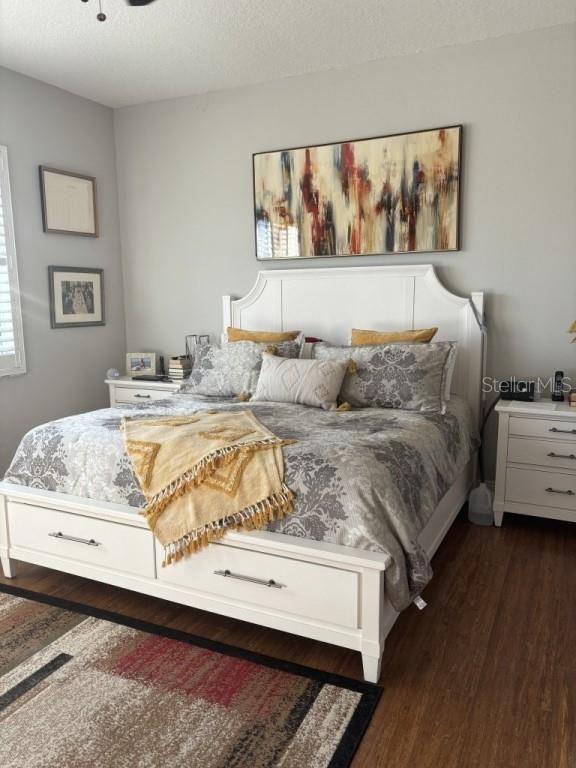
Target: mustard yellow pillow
{"type": "Point", "coordinates": [239, 334]}
{"type": "Point", "coordinates": [419, 336]}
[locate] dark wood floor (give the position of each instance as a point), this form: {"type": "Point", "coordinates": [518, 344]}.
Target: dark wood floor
{"type": "Point", "coordinates": [485, 677]}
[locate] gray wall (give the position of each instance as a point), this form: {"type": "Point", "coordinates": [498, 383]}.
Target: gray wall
{"type": "Point", "coordinates": [184, 171]}
{"type": "Point", "coordinates": [41, 124]}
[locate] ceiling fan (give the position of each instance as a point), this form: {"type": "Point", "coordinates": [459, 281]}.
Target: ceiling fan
{"type": "Point", "coordinates": [102, 16]}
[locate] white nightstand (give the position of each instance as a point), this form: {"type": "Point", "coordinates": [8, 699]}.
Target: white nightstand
{"type": "Point", "coordinates": [126, 390]}
{"type": "Point", "coordinates": [536, 463]}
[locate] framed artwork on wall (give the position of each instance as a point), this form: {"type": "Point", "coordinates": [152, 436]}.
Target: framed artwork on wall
{"type": "Point", "coordinates": [68, 202]}
{"type": "Point", "coordinates": [390, 194]}
{"type": "Point", "coordinates": [76, 296]}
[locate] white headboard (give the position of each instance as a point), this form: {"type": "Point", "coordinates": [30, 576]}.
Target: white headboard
{"type": "Point", "coordinates": [328, 302]}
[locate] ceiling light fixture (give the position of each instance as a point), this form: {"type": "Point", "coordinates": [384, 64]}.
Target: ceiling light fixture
{"type": "Point", "coordinates": [102, 16]}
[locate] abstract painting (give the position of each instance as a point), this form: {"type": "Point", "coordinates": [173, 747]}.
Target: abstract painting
{"type": "Point", "coordinates": [392, 194]}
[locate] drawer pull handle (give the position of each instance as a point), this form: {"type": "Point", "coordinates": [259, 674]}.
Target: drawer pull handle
{"type": "Point", "coordinates": [562, 456]}
{"type": "Point", "coordinates": [89, 542]}
{"type": "Point", "coordinates": [565, 493]}
{"type": "Point", "coordinates": [263, 582]}
{"type": "Point", "coordinates": [564, 431]}
{"type": "Point", "coordinates": [146, 397]}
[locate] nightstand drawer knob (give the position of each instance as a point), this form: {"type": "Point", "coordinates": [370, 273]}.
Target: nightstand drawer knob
{"type": "Point", "coordinates": [553, 455]}
{"type": "Point", "coordinates": [564, 431]}
{"type": "Point", "coordinates": [146, 397]}
{"type": "Point", "coordinates": [556, 490]}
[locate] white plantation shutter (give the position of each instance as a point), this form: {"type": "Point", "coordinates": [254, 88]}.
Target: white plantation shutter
{"type": "Point", "coordinates": [12, 359]}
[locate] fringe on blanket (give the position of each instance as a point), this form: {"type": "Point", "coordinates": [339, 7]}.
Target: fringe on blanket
{"type": "Point", "coordinates": [256, 516]}
{"type": "Point", "coordinates": [200, 472]}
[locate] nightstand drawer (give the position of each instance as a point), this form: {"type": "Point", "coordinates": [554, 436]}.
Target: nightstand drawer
{"type": "Point", "coordinates": [546, 489]}
{"type": "Point", "coordinates": [545, 428]}
{"type": "Point", "coordinates": [545, 453]}
{"type": "Point", "coordinates": [139, 395]}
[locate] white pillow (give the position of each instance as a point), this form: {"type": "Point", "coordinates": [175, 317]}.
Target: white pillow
{"type": "Point", "coordinates": [308, 382]}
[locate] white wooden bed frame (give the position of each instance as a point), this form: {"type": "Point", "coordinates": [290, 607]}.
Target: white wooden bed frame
{"type": "Point", "coordinates": [326, 592]}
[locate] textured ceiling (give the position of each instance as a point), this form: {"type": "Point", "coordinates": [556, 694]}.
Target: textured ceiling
{"type": "Point", "coordinates": [178, 47]}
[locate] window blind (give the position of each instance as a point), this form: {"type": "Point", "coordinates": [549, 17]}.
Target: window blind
{"type": "Point", "coordinates": [12, 359]}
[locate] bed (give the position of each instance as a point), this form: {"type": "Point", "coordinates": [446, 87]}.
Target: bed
{"type": "Point", "coordinates": [376, 489]}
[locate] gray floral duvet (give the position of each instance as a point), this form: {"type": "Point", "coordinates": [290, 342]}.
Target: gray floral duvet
{"type": "Point", "coordinates": [367, 478]}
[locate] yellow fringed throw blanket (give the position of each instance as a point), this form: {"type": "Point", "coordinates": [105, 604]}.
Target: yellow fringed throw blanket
{"type": "Point", "coordinates": [205, 474]}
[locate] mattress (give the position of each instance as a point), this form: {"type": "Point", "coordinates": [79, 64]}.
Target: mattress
{"type": "Point", "coordinates": [367, 478]}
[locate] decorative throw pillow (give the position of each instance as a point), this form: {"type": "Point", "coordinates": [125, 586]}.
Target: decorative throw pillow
{"type": "Point", "coordinates": [418, 336]}
{"type": "Point", "coordinates": [231, 369]}
{"type": "Point", "coordinates": [239, 334]}
{"type": "Point", "coordinates": [407, 376]}
{"type": "Point", "coordinates": [307, 382]}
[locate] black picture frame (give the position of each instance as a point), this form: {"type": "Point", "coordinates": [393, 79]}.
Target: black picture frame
{"type": "Point", "coordinates": [59, 308]}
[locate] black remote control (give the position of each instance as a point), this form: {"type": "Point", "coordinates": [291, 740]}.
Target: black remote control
{"type": "Point", "coordinates": [558, 387]}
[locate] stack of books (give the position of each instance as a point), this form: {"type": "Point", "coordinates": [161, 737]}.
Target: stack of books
{"type": "Point", "coordinates": [179, 367]}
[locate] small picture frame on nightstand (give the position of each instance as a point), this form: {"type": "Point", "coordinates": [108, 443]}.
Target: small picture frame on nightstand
{"type": "Point", "coordinates": [138, 363]}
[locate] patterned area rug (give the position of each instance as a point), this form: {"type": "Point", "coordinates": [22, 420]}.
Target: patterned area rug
{"type": "Point", "coordinates": [82, 688]}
